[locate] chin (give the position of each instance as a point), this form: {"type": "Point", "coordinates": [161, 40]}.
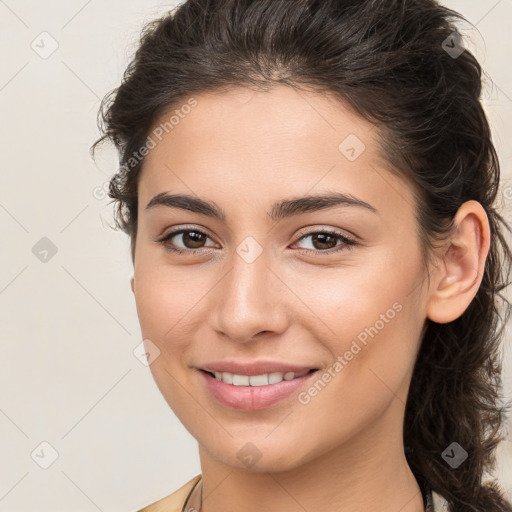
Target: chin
{"type": "Point", "coordinates": [259, 454]}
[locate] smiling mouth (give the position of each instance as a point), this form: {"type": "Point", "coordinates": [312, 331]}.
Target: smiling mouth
{"type": "Point", "coordinates": [244, 380]}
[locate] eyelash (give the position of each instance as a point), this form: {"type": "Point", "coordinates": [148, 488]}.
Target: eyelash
{"type": "Point", "coordinates": [348, 243]}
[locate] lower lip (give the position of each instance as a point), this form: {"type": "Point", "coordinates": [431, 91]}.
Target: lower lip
{"type": "Point", "coordinates": [253, 398]}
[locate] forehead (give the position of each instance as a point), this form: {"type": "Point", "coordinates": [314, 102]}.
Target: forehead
{"type": "Point", "coordinates": [282, 122]}
{"type": "Point", "coordinates": [254, 145]}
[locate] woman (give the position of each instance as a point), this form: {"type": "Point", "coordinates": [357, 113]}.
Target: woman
{"type": "Point", "coordinates": [309, 189]}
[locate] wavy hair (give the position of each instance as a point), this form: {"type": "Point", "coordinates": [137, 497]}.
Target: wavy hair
{"type": "Point", "coordinates": [389, 60]}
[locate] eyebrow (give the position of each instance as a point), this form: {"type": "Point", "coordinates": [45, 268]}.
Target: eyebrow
{"type": "Point", "coordinates": [279, 210]}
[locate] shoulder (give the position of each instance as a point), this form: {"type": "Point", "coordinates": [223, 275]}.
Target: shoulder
{"type": "Point", "coordinates": [175, 501]}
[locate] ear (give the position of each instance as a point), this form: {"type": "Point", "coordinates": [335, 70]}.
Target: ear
{"type": "Point", "coordinates": [462, 262]}
{"type": "Point", "coordinates": [132, 284]}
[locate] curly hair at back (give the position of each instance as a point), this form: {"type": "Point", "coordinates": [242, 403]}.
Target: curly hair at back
{"type": "Point", "coordinates": [388, 61]}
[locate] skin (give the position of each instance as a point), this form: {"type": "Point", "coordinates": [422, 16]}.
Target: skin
{"type": "Point", "coordinates": [245, 150]}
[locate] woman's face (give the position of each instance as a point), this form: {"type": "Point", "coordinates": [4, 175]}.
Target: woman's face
{"type": "Point", "coordinates": [265, 282]}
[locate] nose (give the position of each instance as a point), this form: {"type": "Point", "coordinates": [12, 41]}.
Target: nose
{"type": "Point", "coordinates": [252, 299]}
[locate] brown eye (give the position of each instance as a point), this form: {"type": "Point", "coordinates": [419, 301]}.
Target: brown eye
{"type": "Point", "coordinates": [185, 240]}
{"type": "Point", "coordinates": [193, 239]}
{"type": "Point", "coordinates": [324, 241]}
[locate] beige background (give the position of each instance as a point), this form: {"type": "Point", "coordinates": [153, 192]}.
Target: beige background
{"type": "Point", "coordinates": [68, 326]}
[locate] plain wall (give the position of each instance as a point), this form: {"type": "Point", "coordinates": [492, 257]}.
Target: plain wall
{"type": "Point", "coordinates": [68, 325]}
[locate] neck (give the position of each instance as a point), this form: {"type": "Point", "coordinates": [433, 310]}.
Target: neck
{"type": "Point", "coordinates": [369, 472]}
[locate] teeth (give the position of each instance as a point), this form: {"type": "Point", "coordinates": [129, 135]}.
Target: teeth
{"type": "Point", "coordinates": [257, 380]}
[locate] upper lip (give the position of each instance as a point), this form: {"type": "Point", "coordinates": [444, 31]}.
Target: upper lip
{"type": "Point", "coordinates": [254, 367]}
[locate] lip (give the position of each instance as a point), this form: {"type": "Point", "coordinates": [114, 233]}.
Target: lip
{"type": "Point", "coordinates": [254, 367]}
{"type": "Point", "coordinates": [253, 398]}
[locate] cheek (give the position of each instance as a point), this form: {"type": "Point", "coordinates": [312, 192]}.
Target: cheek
{"type": "Point", "coordinates": [166, 296]}
{"type": "Point", "coordinates": [373, 350]}
{"type": "Point", "coordinates": [349, 299]}
{"type": "Point", "coordinates": [164, 307]}
{"type": "Point", "coordinates": [371, 319]}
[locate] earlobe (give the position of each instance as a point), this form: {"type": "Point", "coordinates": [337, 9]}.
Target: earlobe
{"type": "Point", "coordinates": [460, 273]}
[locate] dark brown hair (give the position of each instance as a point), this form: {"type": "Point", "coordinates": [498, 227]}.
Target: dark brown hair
{"type": "Point", "coordinates": [389, 60]}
